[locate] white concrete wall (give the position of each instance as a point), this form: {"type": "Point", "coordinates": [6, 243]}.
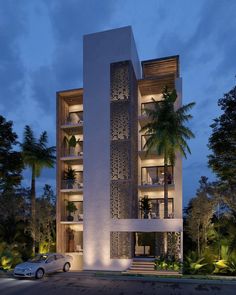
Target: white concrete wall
{"type": "Point", "coordinates": [100, 49]}
{"type": "Point", "coordinates": [147, 225]}
{"type": "Point", "coordinates": [178, 164]}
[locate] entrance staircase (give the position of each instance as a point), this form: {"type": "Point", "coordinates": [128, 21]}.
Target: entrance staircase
{"type": "Point", "coordinates": [146, 266]}
{"type": "Point", "coordinates": [141, 266]}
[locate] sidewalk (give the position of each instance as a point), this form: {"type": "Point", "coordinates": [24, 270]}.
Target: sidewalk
{"type": "Point", "coordinates": [186, 279]}
{"type": "Point", "coordinates": [109, 275]}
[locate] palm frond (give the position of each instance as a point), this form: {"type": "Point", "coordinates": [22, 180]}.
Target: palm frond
{"type": "Point", "coordinates": [167, 129]}
{"type": "Point", "coordinates": [43, 139]}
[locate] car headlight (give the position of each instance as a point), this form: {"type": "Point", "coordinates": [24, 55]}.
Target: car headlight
{"type": "Point", "coordinates": [27, 269]}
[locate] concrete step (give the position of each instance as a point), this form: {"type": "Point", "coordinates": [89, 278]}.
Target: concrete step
{"type": "Point", "coordinates": [143, 264]}
{"type": "Point", "coordinates": [143, 259]}
{"type": "Point", "coordinates": [153, 272]}
{"type": "Point", "coordinates": [141, 268]}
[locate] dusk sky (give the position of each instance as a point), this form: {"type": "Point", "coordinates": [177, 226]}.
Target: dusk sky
{"type": "Point", "coordinates": [41, 53]}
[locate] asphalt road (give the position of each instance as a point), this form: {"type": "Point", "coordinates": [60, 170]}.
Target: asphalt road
{"type": "Point", "coordinates": [89, 284]}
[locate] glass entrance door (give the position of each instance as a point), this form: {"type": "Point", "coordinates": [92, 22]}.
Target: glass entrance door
{"type": "Point", "coordinates": [145, 244]}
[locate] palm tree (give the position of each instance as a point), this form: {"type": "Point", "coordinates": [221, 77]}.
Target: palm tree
{"type": "Point", "coordinates": [167, 133]}
{"type": "Point", "coordinates": [36, 156]}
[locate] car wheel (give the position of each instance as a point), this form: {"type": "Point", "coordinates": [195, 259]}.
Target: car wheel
{"type": "Point", "coordinates": [39, 273]}
{"type": "Point", "coordinates": [66, 267]}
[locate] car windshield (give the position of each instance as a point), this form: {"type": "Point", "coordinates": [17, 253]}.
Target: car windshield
{"type": "Point", "coordinates": [39, 258]}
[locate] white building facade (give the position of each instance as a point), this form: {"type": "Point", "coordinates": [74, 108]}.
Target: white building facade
{"type": "Point", "coordinates": [102, 166]}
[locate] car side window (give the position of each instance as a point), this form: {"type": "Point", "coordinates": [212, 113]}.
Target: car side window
{"type": "Point", "coordinates": [50, 259]}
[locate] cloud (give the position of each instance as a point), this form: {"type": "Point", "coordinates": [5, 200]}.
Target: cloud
{"type": "Point", "coordinates": [209, 33]}
{"type": "Point", "coordinates": [12, 28]}
{"type": "Point", "coordinates": [69, 21]}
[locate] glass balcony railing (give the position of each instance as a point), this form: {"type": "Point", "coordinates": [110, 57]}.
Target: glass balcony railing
{"type": "Point", "coordinates": [144, 139]}
{"type": "Point", "coordinates": [71, 184]}
{"type": "Point", "coordinates": [76, 215]}
{"type": "Point", "coordinates": [73, 240]}
{"type": "Point", "coordinates": [155, 175]}
{"type": "Point", "coordinates": [147, 106]}
{"type": "Point", "coordinates": [157, 209]}
{"type": "Point", "coordinates": [73, 152]}
{"type": "Point", "coordinates": [156, 215]}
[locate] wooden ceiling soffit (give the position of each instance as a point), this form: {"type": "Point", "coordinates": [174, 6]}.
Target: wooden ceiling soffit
{"type": "Point", "coordinates": [161, 66]}
{"type": "Point", "coordinates": [156, 85]}
{"type": "Point", "coordinates": [72, 97]}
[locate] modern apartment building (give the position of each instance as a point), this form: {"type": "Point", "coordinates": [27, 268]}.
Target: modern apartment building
{"type": "Point", "coordinates": [103, 169]}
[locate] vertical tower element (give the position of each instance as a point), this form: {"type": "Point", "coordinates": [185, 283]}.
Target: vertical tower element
{"type": "Point", "coordinates": [124, 154]}
{"type": "Point", "coordinates": [100, 51]}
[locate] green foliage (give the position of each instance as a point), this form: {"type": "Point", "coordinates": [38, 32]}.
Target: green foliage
{"type": "Point", "coordinates": [198, 217]}
{"type": "Point", "coordinates": [46, 220]}
{"type": "Point", "coordinates": [15, 220]}
{"type": "Point", "coordinates": [11, 163]}
{"type": "Point", "coordinates": [227, 263]}
{"type": "Point", "coordinates": [70, 207]}
{"type": "Point", "coordinates": [193, 264]}
{"type": "Point", "coordinates": [167, 132]}
{"type": "Point", "coordinates": [9, 256]}
{"type": "Point", "coordinates": [71, 141]}
{"type": "Point", "coordinates": [222, 141]}
{"type": "Point", "coordinates": [167, 264]}
{"type": "Point", "coordinates": [70, 174]}
{"type": "Point", "coordinates": [36, 154]}
{"type": "Point", "coordinates": [145, 206]}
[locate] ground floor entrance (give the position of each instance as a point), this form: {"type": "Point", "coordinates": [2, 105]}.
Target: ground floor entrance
{"type": "Point", "coordinates": [156, 244]}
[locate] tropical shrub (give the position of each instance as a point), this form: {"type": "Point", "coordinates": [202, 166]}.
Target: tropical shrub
{"type": "Point", "coordinates": [194, 264]}
{"type": "Point", "coordinates": [227, 264]}
{"type": "Point", "coordinates": [169, 263]}
{"type": "Point", "coordinates": [9, 256]}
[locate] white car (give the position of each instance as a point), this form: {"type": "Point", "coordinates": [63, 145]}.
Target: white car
{"type": "Point", "coordinates": [43, 264]}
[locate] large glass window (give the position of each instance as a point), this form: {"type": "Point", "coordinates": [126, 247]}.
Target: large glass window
{"type": "Point", "coordinates": [144, 139]}
{"type": "Point", "coordinates": [147, 106]}
{"type": "Point", "coordinates": [74, 117]}
{"type": "Point", "coordinates": [157, 208]}
{"type": "Point", "coordinates": [155, 175]}
{"type": "Point", "coordinates": [74, 240]}
{"type": "Point", "coordinates": [75, 183]}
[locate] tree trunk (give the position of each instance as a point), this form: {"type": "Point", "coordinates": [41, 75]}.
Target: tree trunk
{"type": "Point", "coordinates": [33, 209]}
{"type": "Point", "coordinates": [198, 240]}
{"type": "Point", "coordinates": [165, 189]}
{"type": "Point", "coordinates": [165, 204]}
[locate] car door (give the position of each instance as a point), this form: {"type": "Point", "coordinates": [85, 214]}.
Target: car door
{"type": "Point", "coordinates": [50, 264]}
{"type": "Point", "coordinates": [60, 261]}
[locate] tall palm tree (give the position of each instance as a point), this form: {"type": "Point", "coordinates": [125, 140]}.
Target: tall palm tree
{"type": "Point", "coordinates": [167, 133]}
{"type": "Point", "coordinates": [36, 156]}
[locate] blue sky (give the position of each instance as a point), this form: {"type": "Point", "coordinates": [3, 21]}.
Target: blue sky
{"type": "Point", "coordinates": [41, 53]}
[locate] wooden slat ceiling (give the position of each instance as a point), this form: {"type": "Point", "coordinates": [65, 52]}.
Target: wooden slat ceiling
{"type": "Point", "coordinates": [72, 97]}
{"type": "Point", "coordinates": [151, 86]}
{"type": "Point", "coordinates": [162, 66]}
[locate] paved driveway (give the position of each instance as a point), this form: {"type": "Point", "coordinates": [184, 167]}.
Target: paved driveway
{"type": "Point", "coordinates": [89, 284]}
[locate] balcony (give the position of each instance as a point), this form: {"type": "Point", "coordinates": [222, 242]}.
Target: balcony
{"type": "Point", "coordinates": [73, 155]}
{"type": "Point", "coordinates": [73, 122]}
{"type": "Point", "coordinates": [152, 154]}
{"type": "Point", "coordinates": [152, 178]}
{"type": "Point", "coordinates": [143, 117]}
{"type": "Point", "coordinates": [72, 212]}
{"type": "Point", "coordinates": [157, 209]}
{"type": "Point", "coordinates": [71, 186]}
{"type": "Point", "coordinates": [73, 240]}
